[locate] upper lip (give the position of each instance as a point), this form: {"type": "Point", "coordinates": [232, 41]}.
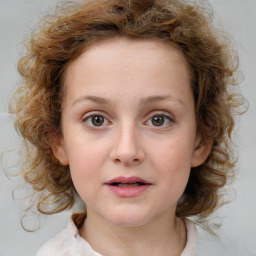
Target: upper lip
{"type": "Point", "coordinates": [132, 179]}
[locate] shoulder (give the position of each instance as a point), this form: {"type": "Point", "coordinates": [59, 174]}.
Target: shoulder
{"type": "Point", "coordinates": [212, 245]}
{"type": "Point", "coordinates": [68, 242]}
{"type": "Point", "coordinates": [201, 243]}
{"type": "Point", "coordinates": [56, 246]}
{"type": "Point", "coordinates": [61, 244]}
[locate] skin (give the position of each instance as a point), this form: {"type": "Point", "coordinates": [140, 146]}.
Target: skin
{"type": "Point", "coordinates": [125, 84]}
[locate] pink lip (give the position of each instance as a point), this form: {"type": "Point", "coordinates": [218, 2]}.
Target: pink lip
{"type": "Point", "coordinates": [132, 179]}
{"type": "Point", "coordinates": [128, 191]}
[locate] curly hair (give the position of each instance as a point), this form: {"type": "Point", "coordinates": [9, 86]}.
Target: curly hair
{"type": "Point", "coordinates": [65, 35]}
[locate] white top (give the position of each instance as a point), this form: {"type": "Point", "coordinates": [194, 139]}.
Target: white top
{"type": "Point", "coordinates": [199, 242]}
{"type": "Point", "coordinates": [69, 243]}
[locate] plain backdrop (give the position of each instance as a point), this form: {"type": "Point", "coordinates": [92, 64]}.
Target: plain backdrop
{"type": "Point", "coordinates": [238, 18]}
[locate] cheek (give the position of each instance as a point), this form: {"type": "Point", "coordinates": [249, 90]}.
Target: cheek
{"type": "Point", "coordinates": [86, 154]}
{"type": "Point", "coordinates": [175, 154]}
{"type": "Point", "coordinates": [173, 162]}
{"type": "Point", "coordinates": [85, 162]}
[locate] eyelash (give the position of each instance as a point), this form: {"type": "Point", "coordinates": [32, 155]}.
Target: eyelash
{"type": "Point", "coordinates": [167, 118]}
{"type": "Point", "coordinates": [88, 119]}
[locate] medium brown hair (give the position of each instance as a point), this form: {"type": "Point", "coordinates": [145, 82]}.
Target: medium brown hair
{"type": "Point", "coordinates": [64, 36]}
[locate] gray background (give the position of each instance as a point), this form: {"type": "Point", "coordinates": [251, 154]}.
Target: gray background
{"type": "Point", "coordinates": [239, 226]}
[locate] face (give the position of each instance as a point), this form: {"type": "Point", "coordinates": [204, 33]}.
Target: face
{"type": "Point", "coordinates": [129, 130]}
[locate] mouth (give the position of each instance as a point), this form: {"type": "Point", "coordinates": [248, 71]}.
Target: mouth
{"type": "Point", "coordinates": [128, 182]}
{"type": "Point", "coordinates": [128, 187]}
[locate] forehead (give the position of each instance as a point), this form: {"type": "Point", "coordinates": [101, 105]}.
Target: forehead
{"type": "Point", "coordinates": [126, 46]}
{"type": "Point", "coordinates": [111, 51]}
{"type": "Point", "coordinates": [140, 64]}
{"type": "Point", "coordinates": [128, 49]}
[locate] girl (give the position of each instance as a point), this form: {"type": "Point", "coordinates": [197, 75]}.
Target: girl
{"type": "Point", "coordinates": [127, 105]}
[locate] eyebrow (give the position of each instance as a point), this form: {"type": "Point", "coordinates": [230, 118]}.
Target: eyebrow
{"type": "Point", "coordinates": [154, 99]}
{"type": "Point", "coordinates": [95, 99]}
{"type": "Point", "coordinates": [146, 100]}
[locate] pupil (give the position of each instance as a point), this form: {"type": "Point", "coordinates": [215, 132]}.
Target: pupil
{"type": "Point", "coordinates": [158, 120]}
{"type": "Point", "coordinates": [97, 120]}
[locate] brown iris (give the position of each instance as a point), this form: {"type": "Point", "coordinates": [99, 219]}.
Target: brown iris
{"type": "Point", "coordinates": [97, 120]}
{"type": "Point", "coordinates": [157, 120]}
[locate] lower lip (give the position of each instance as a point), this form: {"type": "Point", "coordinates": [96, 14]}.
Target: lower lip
{"type": "Point", "coordinates": [128, 191]}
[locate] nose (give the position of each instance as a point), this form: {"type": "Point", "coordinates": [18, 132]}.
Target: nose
{"type": "Point", "coordinates": [127, 148]}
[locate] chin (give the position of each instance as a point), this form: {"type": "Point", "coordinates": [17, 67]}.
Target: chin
{"type": "Point", "coordinates": [129, 219]}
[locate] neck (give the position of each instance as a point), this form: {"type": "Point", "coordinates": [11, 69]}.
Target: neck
{"type": "Point", "coordinates": [164, 236]}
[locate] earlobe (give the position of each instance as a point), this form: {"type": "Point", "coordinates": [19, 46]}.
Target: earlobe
{"type": "Point", "coordinates": [58, 149]}
{"type": "Point", "coordinates": [203, 147]}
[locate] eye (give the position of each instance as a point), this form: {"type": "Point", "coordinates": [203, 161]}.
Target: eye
{"type": "Point", "coordinates": [160, 120]}
{"type": "Point", "coordinates": [95, 120]}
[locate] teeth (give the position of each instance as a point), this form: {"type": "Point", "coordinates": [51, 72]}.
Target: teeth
{"type": "Point", "coordinates": [127, 185]}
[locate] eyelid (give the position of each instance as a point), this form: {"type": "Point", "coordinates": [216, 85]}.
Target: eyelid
{"type": "Point", "coordinates": [160, 112]}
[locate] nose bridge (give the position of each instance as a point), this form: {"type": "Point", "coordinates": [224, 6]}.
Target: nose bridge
{"type": "Point", "coordinates": [127, 147]}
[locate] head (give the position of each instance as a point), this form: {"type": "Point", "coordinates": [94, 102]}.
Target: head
{"type": "Point", "coordinates": [55, 48]}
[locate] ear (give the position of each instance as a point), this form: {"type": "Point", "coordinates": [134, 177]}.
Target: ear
{"type": "Point", "coordinates": [58, 148]}
{"type": "Point", "coordinates": [203, 147]}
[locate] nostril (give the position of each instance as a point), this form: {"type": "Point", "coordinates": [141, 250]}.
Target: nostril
{"type": "Point", "coordinates": [117, 160]}
{"type": "Point", "coordinates": [127, 161]}
{"type": "Point", "coordinates": [127, 156]}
